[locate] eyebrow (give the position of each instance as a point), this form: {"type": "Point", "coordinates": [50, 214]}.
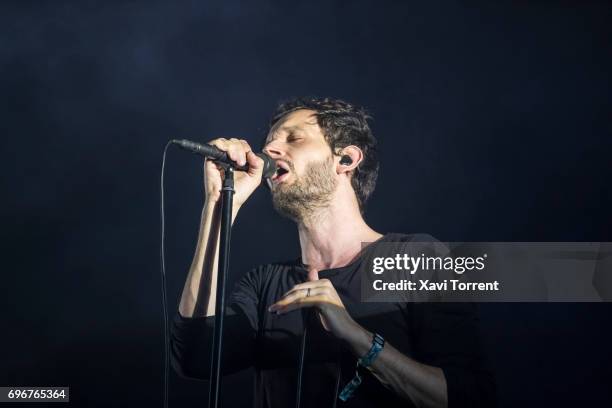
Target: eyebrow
{"type": "Point", "coordinates": [288, 129]}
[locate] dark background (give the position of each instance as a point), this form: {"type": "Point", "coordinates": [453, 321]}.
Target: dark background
{"type": "Point", "coordinates": [494, 125]}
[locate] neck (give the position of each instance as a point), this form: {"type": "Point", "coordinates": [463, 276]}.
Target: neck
{"type": "Point", "coordinates": [332, 236]}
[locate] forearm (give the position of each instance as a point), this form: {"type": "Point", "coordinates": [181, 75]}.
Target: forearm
{"type": "Point", "coordinates": [424, 385]}
{"type": "Point", "coordinates": [191, 342]}
{"type": "Point", "coordinates": [199, 293]}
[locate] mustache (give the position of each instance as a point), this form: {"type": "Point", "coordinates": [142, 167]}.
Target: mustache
{"type": "Point", "coordinates": [288, 163]}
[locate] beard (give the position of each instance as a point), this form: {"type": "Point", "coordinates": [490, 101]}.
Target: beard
{"type": "Point", "coordinates": [308, 193]}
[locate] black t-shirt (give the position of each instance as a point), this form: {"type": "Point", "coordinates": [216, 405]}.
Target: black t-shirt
{"type": "Point", "coordinates": [443, 335]}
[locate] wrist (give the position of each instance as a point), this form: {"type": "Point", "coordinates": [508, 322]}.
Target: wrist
{"type": "Point", "coordinates": [359, 339]}
{"type": "Point", "coordinates": [364, 361]}
{"type": "Point", "coordinates": [211, 206]}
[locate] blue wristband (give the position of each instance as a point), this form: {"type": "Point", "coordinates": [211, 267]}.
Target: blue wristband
{"type": "Point", "coordinates": [378, 343]}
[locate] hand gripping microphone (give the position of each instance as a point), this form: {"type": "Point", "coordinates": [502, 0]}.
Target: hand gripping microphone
{"type": "Point", "coordinates": [218, 155]}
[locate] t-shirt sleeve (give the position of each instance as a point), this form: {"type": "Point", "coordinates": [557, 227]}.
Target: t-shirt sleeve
{"type": "Point", "coordinates": [448, 337]}
{"type": "Point", "coordinates": [191, 338]}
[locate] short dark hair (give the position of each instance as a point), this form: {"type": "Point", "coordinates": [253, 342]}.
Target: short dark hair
{"type": "Point", "coordinates": [342, 124]}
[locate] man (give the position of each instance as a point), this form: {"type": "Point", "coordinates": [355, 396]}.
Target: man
{"type": "Point", "coordinates": [430, 355]}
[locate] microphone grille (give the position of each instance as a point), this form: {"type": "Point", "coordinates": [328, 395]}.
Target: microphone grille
{"type": "Point", "coordinates": [269, 165]}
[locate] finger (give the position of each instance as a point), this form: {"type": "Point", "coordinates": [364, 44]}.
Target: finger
{"type": "Point", "coordinates": [313, 284]}
{"type": "Point", "coordinates": [296, 295]}
{"type": "Point", "coordinates": [242, 148]}
{"type": "Point", "coordinates": [245, 145]}
{"type": "Point", "coordinates": [310, 291]}
{"type": "Point", "coordinates": [305, 285]}
{"type": "Point", "coordinates": [292, 296]}
{"type": "Point", "coordinates": [301, 303]}
{"type": "Point", "coordinates": [232, 147]}
{"type": "Point", "coordinates": [219, 143]}
{"type": "Point", "coordinates": [313, 275]}
{"type": "Point", "coordinates": [255, 163]}
{"type": "Point", "coordinates": [235, 151]}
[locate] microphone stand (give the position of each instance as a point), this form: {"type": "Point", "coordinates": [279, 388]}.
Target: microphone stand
{"type": "Point", "coordinates": [227, 196]}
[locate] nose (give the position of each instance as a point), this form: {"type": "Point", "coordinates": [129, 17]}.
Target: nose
{"type": "Point", "coordinates": [273, 151]}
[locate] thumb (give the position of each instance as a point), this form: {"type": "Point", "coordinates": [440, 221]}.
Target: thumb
{"type": "Point", "coordinates": [313, 275]}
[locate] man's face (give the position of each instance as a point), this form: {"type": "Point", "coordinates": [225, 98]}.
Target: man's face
{"type": "Point", "coordinates": [306, 178]}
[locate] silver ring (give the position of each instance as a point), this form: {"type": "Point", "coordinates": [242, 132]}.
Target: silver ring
{"type": "Point", "coordinates": [308, 292]}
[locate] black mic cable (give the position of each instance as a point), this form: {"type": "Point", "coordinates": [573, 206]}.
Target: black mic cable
{"type": "Point", "coordinates": [305, 319]}
{"type": "Point", "coordinates": [163, 279]}
{"type": "Point", "coordinates": [215, 154]}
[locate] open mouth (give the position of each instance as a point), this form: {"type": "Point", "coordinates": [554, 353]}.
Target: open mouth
{"type": "Point", "coordinates": [282, 172]}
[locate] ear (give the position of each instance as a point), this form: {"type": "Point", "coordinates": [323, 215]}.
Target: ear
{"type": "Point", "coordinates": [348, 159]}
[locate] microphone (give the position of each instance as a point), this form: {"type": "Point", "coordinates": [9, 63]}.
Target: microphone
{"type": "Point", "coordinates": [218, 155]}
